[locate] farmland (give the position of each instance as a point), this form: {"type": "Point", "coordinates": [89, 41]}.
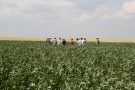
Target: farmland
{"type": "Point", "coordinates": [32, 65]}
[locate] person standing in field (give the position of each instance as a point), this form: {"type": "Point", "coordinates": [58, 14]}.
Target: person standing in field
{"type": "Point", "coordinates": [59, 42]}
{"type": "Point", "coordinates": [54, 41]}
{"type": "Point", "coordinates": [84, 41]}
{"type": "Point", "coordinates": [71, 42]}
{"type": "Point", "coordinates": [79, 42]}
{"type": "Point", "coordinates": [64, 42]}
{"type": "Point", "coordinates": [48, 40]}
{"type": "Point", "coordinates": [97, 41]}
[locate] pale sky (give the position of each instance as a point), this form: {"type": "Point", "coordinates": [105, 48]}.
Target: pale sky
{"type": "Point", "coordinates": [106, 19]}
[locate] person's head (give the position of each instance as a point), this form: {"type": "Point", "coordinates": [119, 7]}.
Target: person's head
{"type": "Point", "coordinates": [84, 38]}
{"type": "Point", "coordinates": [59, 38]}
{"type": "Point", "coordinates": [97, 38]}
{"type": "Point", "coordinates": [71, 39]}
{"type": "Point", "coordinates": [54, 38]}
{"type": "Point", "coordinates": [77, 39]}
{"type": "Point", "coordinates": [81, 38]}
{"type": "Point", "coordinates": [49, 38]}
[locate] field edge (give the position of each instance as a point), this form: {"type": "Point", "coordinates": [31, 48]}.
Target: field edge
{"type": "Point", "coordinates": [67, 39]}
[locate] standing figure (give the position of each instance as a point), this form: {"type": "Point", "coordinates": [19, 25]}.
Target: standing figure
{"type": "Point", "coordinates": [59, 42]}
{"type": "Point", "coordinates": [64, 42]}
{"type": "Point", "coordinates": [84, 41]}
{"type": "Point", "coordinates": [54, 41]}
{"type": "Point", "coordinates": [48, 40]}
{"type": "Point", "coordinates": [71, 42]}
{"type": "Point", "coordinates": [79, 42]}
{"type": "Point", "coordinates": [97, 41]}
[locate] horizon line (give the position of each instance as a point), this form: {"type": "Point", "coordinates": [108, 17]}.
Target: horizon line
{"type": "Point", "coordinates": [68, 39]}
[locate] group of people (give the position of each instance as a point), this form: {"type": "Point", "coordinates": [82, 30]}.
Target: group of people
{"type": "Point", "coordinates": [81, 41]}
{"type": "Point", "coordinates": [60, 41]}
{"type": "Point", "coordinates": [55, 41]}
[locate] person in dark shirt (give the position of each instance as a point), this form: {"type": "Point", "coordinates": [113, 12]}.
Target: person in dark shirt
{"type": "Point", "coordinates": [63, 42]}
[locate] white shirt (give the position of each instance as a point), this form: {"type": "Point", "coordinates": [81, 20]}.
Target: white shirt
{"type": "Point", "coordinates": [79, 42]}
{"type": "Point", "coordinates": [84, 42]}
{"type": "Point", "coordinates": [58, 42]}
{"type": "Point", "coordinates": [54, 41]}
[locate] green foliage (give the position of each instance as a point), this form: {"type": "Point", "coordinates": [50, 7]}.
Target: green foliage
{"type": "Point", "coordinates": [32, 65]}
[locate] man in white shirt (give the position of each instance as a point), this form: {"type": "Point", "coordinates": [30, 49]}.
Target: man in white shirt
{"type": "Point", "coordinates": [59, 42]}
{"type": "Point", "coordinates": [54, 41]}
{"type": "Point", "coordinates": [79, 42]}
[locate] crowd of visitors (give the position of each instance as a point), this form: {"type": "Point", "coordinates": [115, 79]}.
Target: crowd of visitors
{"type": "Point", "coordinates": [55, 41]}
{"type": "Point", "coordinates": [60, 41]}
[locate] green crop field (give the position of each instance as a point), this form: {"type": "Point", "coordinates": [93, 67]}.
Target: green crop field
{"type": "Point", "coordinates": [32, 65]}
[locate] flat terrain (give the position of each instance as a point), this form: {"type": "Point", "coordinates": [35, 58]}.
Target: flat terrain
{"type": "Point", "coordinates": [32, 65]}
{"type": "Point", "coordinates": [68, 39]}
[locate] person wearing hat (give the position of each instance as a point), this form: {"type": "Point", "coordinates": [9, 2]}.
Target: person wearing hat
{"type": "Point", "coordinates": [97, 41]}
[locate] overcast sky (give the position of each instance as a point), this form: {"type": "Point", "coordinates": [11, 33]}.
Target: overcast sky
{"type": "Point", "coordinates": [106, 19]}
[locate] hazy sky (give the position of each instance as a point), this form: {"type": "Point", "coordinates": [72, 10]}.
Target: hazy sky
{"type": "Point", "coordinates": [106, 19]}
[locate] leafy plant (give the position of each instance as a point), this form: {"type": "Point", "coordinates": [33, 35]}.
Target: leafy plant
{"type": "Point", "coordinates": [32, 65]}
